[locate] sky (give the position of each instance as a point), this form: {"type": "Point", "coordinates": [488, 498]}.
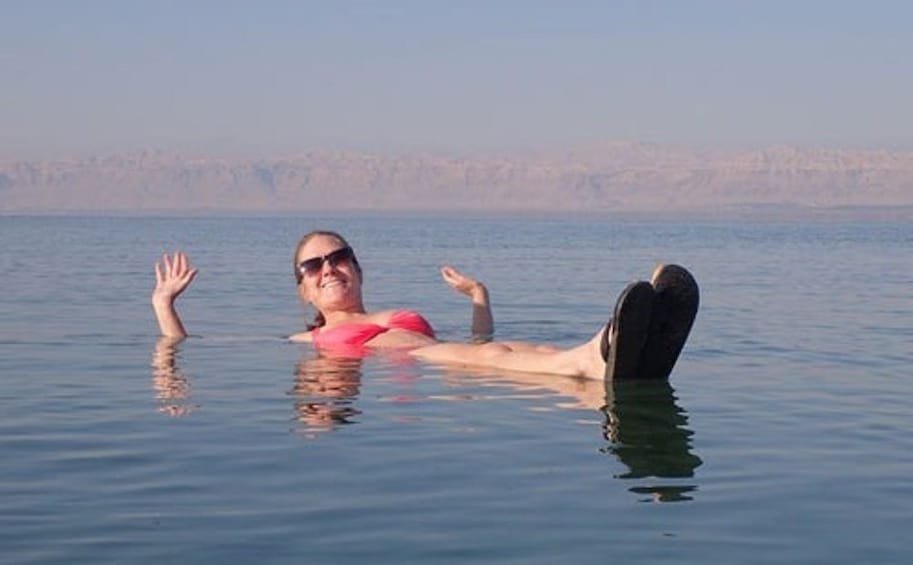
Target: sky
{"type": "Point", "coordinates": [276, 77]}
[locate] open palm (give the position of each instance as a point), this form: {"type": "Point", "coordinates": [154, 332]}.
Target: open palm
{"type": "Point", "coordinates": [172, 276]}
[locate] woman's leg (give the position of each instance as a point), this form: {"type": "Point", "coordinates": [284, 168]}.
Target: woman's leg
{"type": "Point", "coordinates": [581, 361]}
{"type": "Point", "coordinates": [529, 346]}
{"type": "Point", "coordinates": [612, 353]}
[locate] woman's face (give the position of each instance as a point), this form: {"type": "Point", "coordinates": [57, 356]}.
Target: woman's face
{"type": "Point", "coordinates": [331, 287]}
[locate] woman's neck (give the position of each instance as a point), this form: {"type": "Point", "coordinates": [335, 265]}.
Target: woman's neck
{"type": "Point", "coordinates": [342, 316]}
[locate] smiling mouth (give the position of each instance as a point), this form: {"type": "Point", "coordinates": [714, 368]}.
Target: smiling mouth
{"type": "Point", "coordinates": [328, 284]}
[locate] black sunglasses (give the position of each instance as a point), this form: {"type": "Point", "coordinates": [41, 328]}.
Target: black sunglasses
{"type": "Point", "coordinates": [315, 264]}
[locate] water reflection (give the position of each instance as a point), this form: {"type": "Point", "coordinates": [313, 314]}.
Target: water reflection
{"type": "Point", "coordinates": [171, 385]}
{"type": "Point", "coordinates": [325, 390]}
{"type": "Point", "coordinates": [647, 432]}
{"type": "Point", "coordinates": [645, 428]}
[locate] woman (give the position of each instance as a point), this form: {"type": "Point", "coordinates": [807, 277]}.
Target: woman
{"type": "Point", "coordinates": [330, 278]}
{"type": "Point", "coordinates": [337, 298]}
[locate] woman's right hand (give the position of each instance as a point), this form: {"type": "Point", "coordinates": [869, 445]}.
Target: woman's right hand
{"type": "Point", "coordinates": [172, 276]}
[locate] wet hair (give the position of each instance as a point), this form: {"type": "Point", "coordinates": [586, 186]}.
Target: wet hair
{"type": "Point", "coordinates": [319, 320]}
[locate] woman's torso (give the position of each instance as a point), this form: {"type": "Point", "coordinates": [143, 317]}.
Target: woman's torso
{"type": "Point", "coordinates": [392, 328]}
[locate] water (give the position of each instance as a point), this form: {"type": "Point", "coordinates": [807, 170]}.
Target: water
{"type": "Point", "coordinates": [784, 436]}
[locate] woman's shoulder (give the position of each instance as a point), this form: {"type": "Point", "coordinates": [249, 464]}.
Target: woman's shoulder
{"type": "Point", "coordinates": [302, 337]}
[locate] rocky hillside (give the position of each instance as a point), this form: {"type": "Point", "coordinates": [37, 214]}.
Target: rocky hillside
{"type": "Point", "coordinates": [605, 177]}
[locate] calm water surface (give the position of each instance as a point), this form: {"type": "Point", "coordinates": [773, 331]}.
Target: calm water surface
{"type": "Point", "coordinates": [785, 435]}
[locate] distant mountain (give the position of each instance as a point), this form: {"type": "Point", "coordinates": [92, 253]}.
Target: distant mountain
{"type": "Point", "coordinates": [603, 177]}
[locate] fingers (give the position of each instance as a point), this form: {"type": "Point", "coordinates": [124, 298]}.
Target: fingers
{"type": "Point", "coordinates": [176, 266]}
{"type": "Point", "coordinates": [460, 278]}
{"type": "Point", "coordinates": [461, 283]}
{"type": "Point", "coordinates": [449, 274]}
{"type": "Point", "coordinates": [453, 278]}
{"type": "Point", "coordinates": [180, 264]}
{"type": "Point", "coordinates": [173, 274]}
{"type": "Point", "coordinates": [188, 277]}
{"type": "Point", "coordinates": [166, 261]}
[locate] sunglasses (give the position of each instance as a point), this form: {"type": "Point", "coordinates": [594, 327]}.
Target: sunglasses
{"type": "Point", "coordinates": [315, 264]}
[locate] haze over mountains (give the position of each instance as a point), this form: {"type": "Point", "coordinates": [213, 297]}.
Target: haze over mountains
{"type": "Point", "coordinates": [619, 176]}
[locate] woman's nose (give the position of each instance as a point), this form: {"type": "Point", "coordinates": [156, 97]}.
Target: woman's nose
{"type": "Point", "coordinates": [327, 267]}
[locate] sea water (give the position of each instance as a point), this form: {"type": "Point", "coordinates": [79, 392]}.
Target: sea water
{"type": "Point", "coordinates": [783, 436]}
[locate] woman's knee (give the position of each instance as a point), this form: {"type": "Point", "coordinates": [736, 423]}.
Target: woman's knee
{"type": "Point", "coordinates": [493, 349]}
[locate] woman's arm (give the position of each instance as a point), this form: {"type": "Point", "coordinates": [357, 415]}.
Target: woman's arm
{"type": "Point", "coordinates": [483, 325]}
{"type": "Point", "coordinates": [172, 276]}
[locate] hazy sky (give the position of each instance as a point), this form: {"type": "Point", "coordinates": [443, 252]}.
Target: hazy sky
{"type": "Point", "coordinates": [260, 77]}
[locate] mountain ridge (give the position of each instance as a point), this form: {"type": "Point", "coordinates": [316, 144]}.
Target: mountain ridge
{"type": "Point", "coordinates": [605, 177]}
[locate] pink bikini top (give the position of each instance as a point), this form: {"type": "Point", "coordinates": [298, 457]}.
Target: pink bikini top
{"type": "Point", "coordinates": [360, 333]}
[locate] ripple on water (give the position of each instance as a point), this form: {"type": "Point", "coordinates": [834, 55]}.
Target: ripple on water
{"type": "Point", "coordinates": [784, 436]}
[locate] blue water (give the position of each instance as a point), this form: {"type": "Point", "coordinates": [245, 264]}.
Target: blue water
{"type": "Point", "coordinates": [785, 435]}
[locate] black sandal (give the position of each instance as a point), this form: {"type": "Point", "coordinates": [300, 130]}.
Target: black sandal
{"type": "Point", "coordinates": [675, 305]}
{"type": "Point", "coordinates": [626, 333]}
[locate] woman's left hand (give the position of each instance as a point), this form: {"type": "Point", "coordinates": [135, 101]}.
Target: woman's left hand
{"type": "Point", "coordinates": [465, 285]}
{"type": "Point", "coordinates": [483, 324]}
